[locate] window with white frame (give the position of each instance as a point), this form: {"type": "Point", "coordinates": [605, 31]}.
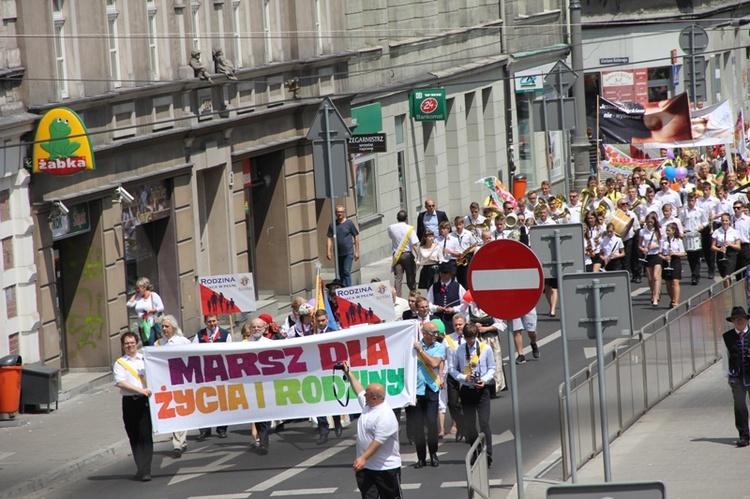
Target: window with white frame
{"type": "Point", "coordinates": [61, 67]}
{"type": "Point", "coordinates": [195, 9]}
{"type": "Point", "coordinates": [236, 33]}
{"type": "Point", "coordinates": [153, 49]}
{"type": "Point", "coordinates": [113, 43]}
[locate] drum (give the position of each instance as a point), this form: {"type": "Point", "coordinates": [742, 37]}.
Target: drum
{"type": "Point", "coordinates": [693, 241]}
{"type": "Point", "coordinates": [622, 222]}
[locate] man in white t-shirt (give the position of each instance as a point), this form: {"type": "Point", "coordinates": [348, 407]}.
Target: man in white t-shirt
{"type": "Point", "coordinates": [378, 462]}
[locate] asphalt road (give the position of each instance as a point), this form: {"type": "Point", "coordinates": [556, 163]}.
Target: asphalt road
{"type": "Point", "coordinates": [296, 466]}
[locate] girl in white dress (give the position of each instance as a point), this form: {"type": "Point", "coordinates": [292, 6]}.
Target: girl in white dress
{"type": "Point", "coordinates": [671, 252]}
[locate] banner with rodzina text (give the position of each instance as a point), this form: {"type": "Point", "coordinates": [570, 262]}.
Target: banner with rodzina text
{"type": "Point", "coordinates": [206, 385]}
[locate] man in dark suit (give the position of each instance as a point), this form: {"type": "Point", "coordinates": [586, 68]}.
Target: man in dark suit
{"type": "Point", "coordinates": [212, 334]}
{"type": "Point", "coordinates": [737, 342]}
{"type": "Point", "coordinates": [430, 219]}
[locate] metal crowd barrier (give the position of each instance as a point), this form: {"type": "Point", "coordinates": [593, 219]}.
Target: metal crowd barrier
{"type": "Point", "coordinates": [477, 473]}
{"type": "Point", "coordinates": [646, 368]}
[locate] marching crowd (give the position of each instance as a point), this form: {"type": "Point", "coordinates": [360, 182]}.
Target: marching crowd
{"type": "Point", "coordinates": [643, 223]}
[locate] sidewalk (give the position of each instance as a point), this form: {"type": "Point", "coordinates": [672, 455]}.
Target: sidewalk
{"type": "Point", "coordinates": [686, 442]}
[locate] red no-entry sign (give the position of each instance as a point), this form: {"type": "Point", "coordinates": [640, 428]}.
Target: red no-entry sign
{"type": "Point", "coordinates": [506, 279]}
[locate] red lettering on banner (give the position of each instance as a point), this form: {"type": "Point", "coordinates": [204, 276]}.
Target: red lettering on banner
{"type": "Point", "coordinates": [295, 366]}
{"type": "Point", "coordinates": [355, 354]}
{"type": "Point", "coordinates": [377, 351]}
{"type": "Point", "coordinates": [269, 359]}
{"type": "Point", "coordinates": [214, 369]}
{"type": "Point", "coordinates": [330, 353]}
{"type": "Point", "coordinates": [242, 364]}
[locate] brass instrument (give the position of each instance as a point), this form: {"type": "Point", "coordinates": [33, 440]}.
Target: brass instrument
{"type": "Point", "coordinates": [561, 203]}
{"type": "Point", "coordinates": [603, 209]}
{"type": "Point", "coordinates": [639, 200]}
{"type": "Point", "coordinates": [463, 258]}
{"type": "Point", "coordinates": [586, 196]}
{"type": "Point", "coordinates": [511, 221]}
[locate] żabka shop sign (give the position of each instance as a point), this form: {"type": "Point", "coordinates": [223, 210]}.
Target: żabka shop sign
{"type": "Point", "coordinates": [62, 145]}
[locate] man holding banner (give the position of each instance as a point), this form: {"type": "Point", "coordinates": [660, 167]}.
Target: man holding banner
{"type": "Point", "coordinates": [212, 334]}
{"type": "Point", "coordinates": [378, 462]}
{"type": "Point", "coordinates": [430, 355]}
{"type": "Point", "coordinates": [404, 241]}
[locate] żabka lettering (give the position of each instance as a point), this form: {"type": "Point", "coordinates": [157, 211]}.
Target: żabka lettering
{"type": "Point", "coordinates": [212, 368]}
{"type": "Point", "coordinates": [74, 163]}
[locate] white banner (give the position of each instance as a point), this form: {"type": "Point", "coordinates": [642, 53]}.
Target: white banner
{"type": "Point", "coordinates": [227, 294]}
{"type": "Point", "coordinates": [365, 304]}
{"type": "Point", "coordinates": [199, 385]}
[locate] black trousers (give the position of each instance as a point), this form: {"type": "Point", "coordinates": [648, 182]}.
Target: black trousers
{"type": "Point", "coordinates": [708, 253]}
{"type": "Point", "coordinates": [627, 260]}
{"type": "Point", "coordinates": [218, 429]}
{"type": "Point", "coordinates": [694, 259]}
{"type": "Point", "coordinates": [137, 419]}
{"type": "Point", "coordinates": [426, 416]}
{"type": "Point", "coordinates": [383, 484]}
{"type": "Point", "coordinates": [454, 403]}
{"type": "Point", "coordinates": [324, 428]}
{"type": "Point", "coordinates": [636, 265]}
{"type": "Point", "coordinates": [264, 429]}
{"type": "Point", "coordinates": [726, 263]}
{"type": "Point", "coordinates": [476, 405]}
{"type": "Point", "coordinates": [739, 394]}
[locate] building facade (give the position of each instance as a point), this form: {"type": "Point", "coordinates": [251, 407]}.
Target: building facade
{"type": "Point", "coordinates": [197, 176]}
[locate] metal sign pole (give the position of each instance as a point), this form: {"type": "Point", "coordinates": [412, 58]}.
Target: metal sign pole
{"type": "Point", "coordinates": [565, 141]}
{"type": "Point", "coordinates": [566, 360]}
{"type": "Point", "coordinates": [329, 168]}
{"type": "Point", "coordinates": [596, 286]}
{"type": "Point", "coordinates": [693, 79]}
{"type": "Point", "coordinates": [516, 413]}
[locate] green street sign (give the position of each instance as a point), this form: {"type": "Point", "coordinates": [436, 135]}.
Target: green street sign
{"type": "Point", "coordinates": [428, 104]}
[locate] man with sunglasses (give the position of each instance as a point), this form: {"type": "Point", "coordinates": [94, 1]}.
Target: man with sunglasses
{"type": "Point", "coordinates": [430, 377]}
{"type": "Point", "coordinates": [668, 196]}
{"type": "Point", "coordinates": [430, 219]}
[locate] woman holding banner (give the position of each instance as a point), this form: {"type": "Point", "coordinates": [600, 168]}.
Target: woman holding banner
{"type": "Point", "coordinates": [172, 335]}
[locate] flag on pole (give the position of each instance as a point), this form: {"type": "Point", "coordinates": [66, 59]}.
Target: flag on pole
{"type": "Point", "coordinates": [498, 192]}
{"type": "Point", "coordinates": [739, 133]}
{"type": "Point", "coordinates": [321, 300]}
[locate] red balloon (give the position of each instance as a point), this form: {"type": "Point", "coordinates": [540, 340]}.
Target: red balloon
{"type": "Point", "coordinates": [467, 297]}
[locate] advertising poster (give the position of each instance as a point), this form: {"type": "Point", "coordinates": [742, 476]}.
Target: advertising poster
{"type": "Point", "coordinates": [365, 304]}
{"type": "Point", "coordinates": [199, 385]}
{"type": "Point", "coordinates": [227, 294]}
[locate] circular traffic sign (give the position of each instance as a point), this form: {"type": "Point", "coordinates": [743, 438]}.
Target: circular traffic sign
{"type": "Point", "coordinates": [693, 40]}
{"type": "Point", "coordinates": [505, 279]}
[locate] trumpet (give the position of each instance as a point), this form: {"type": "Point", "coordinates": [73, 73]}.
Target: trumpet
{"type": "Point", "coordinates": [558, 216]}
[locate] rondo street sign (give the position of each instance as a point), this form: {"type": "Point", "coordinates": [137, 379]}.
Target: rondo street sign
{"type": "Point", "coordinates": [506, 279]}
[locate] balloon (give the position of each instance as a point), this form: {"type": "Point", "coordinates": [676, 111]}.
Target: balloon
{"type": "Point", "coordinates": [681, 172]}
{"type": "Point", "coordinates": [467, 297]}
{"type": "Point", "coordinates": [670, 172]}
{"type": "Point", "coordinates": [670, 154]}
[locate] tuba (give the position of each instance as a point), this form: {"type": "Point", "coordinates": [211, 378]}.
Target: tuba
{"type": "Point", "coordinates": [586, 196]}
{"type": "Point", "coordinates": [511, 221]}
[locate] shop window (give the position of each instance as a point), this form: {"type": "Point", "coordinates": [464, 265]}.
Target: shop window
{"type": "Point", "coordinates": [660, 83]}
{"type": "Point", "coordinates": [7, 253]}
{"type": "Point", "coordinates": [364, 186]}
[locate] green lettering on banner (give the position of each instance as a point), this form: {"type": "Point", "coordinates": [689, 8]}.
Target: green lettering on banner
{"type": "Point", "coordinates": [287, 392]}
{"type": "Point", "coordinates": [312, 389]}
{"type": "Point", "coordinates": [379, 377]}
{"type": "Point", "coordinates": [397, 377]}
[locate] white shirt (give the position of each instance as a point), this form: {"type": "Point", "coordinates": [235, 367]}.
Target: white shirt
{"type": "Point", "coordinates": [141, 304]}
{"type": "Point", "coordinates": [449, 243]}
{"type": "Point", "coordinates": [652, 207]}
{"type": "Point", "coordinates": [669, 197]}
{"type": "Point", "coordinates": [650, 241]}
{"type": "Point", "coordinates": [673, 219]}
{"type": "Point", "coordinates": [176, 339]}
{"type": "Point", "coordinates": [742, 225]}
{"type": "Point", "coordinates": [397, 233]}
{"type": "Point", "coordinates": [123, 374]}
{"type": "Point", "coordinates": [549, 221]}
{"type": "Point", "coordinates": [709, 206]}
{"type": "Point", "coordinates": [211, 335]}
{"type": "Point", "coordinates": [693, 219]}
{"type": "Point", "coordinates": [674, 244]}
{"type": "Point", "coordinates": [378, 423]}
{"type": "Point", "coordinates": [636, 225]}
{"type": "Point", "coordinates": [720, 237]}
{"type": "Point", "coordinates": [485, 362]}
{"type": "Point", "coordinates": [251, 339]}
{"type": "Point", "coordinates": [465, 240]}
{"type": "Point", "coordinates": [611, 245]}
{"type": "Point", "coordinates": [575, 213]}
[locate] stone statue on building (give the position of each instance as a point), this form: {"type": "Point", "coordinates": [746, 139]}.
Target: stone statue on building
{"type": "Point", "coordinates": [199, 69]}
{"type": "Point", "coordinates": [223, 65]}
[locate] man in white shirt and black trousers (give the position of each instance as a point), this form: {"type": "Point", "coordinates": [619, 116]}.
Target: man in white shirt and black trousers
{"type": "Point", "coordinates": [378, 462]}
{"type": "Point", "coordinates": [474, 366]}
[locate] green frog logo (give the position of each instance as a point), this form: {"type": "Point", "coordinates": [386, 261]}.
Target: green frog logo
{"type": "Point", "coordinates": [59, 146]}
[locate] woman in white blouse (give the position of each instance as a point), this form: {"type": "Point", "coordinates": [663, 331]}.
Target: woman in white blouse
{"type": "Point", "coordinates": [147, 305]}
{"type": "Point", "coordinates": [726, 244]}
{"type": "Point", "coordinates": [671, 252]}
{"type": "Point", "coordinates": [649, 244]}
{"type": "Point", "coordinates": [612, 249]}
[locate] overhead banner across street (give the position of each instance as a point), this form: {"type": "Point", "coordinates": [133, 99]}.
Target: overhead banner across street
{"type": "Point", "coordinates": [198, 385]}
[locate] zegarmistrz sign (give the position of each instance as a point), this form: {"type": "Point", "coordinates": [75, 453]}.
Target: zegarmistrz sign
{"type": "Point", "coordinates": [200, 385]}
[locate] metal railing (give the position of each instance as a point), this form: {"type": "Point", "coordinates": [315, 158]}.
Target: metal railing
{"type": "Point", "coordinates": [644, 369]}
{"type": "Point", "coordinates": [477, 473]}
